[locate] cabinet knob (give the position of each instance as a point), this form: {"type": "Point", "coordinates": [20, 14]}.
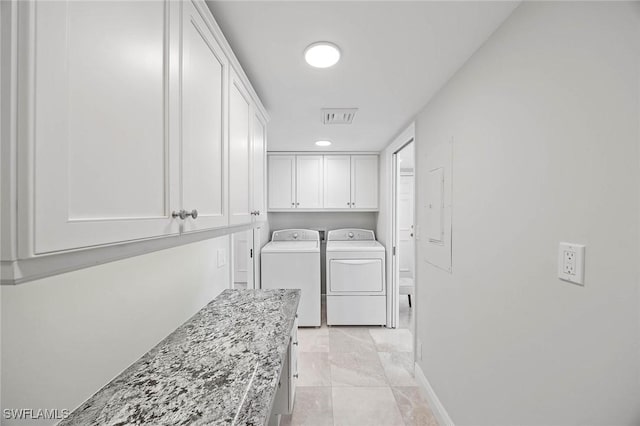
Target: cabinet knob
{"type": "Point", "coordinates": [348, 203]}
{"type": "Point", "coordinates": [297, 204]}
{"type": "Point", "coordinates": [182, 214]}
{"type": "Point", "coordinates": [295, 343]}
{"type": "Point", "coordinates": [293, 204]}
{"type": "Point", "coordinates": [295, 375]}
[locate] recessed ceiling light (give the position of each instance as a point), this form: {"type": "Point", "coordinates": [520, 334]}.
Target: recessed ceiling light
{"type": "Point", "coordinates": [323, 143]}
{"type": "Point", "coordinates": [322, 54]}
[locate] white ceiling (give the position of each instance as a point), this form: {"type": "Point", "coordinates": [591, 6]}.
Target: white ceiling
{"type": "Point", "coordinates": [395, 56]}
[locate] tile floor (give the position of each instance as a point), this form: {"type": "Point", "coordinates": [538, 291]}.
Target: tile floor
{"type": "Point", "coordinates": [358, 376]}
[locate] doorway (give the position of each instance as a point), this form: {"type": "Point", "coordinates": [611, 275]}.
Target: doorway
{"type": "Point", "coordinates": [404, 236]}
{"type": "Point", "coordinates": [245, 259]}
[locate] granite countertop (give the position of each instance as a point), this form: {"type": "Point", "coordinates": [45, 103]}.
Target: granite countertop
{"type": "Point", "coordinates": [222, 366]}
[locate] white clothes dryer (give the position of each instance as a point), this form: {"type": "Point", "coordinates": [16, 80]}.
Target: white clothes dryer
{"type": "Point", "coordinates": [356, 285]}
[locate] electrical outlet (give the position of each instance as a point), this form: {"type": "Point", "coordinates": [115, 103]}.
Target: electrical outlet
{"type": "Point", "coordinates": [222, 257]}
{"type": "Point", "coordinates": [571, 263]}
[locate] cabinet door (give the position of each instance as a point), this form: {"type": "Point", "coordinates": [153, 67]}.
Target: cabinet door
{"type": "Point", "coordinates": [204, 167]}
{"type": "Point", "coordinates": [96, 125]}
{"type": "Point", "coordinates": [309, 181]}
{"type": "Point", "coordinates": [337, 181]}
{"type": "Point", "coordinates": [364, 181]}
{"type": "Point", "coordinates": [281, 183]}
{"type": "Point", "coordinates": [239, 152]}
{"type": "Point", "coordinates": [258, 144]}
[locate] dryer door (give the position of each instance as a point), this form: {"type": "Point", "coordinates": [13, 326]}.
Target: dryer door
{"type": "Point", "coordinates": [356, 276]}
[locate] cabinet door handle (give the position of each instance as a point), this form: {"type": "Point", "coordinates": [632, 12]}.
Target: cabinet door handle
{"type": "Point", "coordinates": [193, 213]}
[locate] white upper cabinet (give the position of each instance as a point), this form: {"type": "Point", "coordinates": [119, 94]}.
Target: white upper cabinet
{"type": "Point", "coordinates": [329, 182]}
{"type": "Point", "coordinates": [337, 181]}
{"type": "Point", "coordinates": [134, 121]}
{"type": "Point", "coordinates": [364, 182]}
{"type": "Point", "coordinates": [239, 152]}
{"type": "Point", "coordinates": [96, 100]}
{"type": "Point", "coordinates": [282, 182]}
{"type": "Point", "coordinates": [204, 164]}
{"type": "Point", "coordinates": [309, 181]}
{"type": "Point", "coordinates": [258, 177]}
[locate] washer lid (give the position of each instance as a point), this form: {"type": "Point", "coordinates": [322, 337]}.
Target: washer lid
{"type": "Point", "coordinates": [355, 246]}
{"type": "Point", "coordinates": [291, 247]}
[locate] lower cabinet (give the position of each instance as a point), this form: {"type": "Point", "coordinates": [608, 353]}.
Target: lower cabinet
{"type": "Point", "coordinates": [285, 396]}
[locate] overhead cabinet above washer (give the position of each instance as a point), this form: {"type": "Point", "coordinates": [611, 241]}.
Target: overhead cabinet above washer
{"type": "Point", "coordinates": [303, 182]}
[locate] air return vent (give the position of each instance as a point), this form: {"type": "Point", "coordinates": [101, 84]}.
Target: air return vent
{"type": "Point", "coordinates": [338, 115]}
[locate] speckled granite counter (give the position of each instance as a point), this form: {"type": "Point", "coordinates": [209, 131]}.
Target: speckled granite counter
{"type": "Point", "coordinates": [220, 367]}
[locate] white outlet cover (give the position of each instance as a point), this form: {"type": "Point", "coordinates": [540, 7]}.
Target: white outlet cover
{"type": "Point", "coordinates": [571, 263]}
{"type": "Point", "coordinates": [222, 257]}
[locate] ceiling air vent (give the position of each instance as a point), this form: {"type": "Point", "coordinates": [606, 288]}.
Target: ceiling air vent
{"type": "Point", "coordinates": [338, 115]}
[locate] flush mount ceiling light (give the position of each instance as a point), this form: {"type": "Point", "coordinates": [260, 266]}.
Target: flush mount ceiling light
{"type": "Point", "coordinates": [323, 143]}
{"type": "Point", "coordinates": [322, 54]}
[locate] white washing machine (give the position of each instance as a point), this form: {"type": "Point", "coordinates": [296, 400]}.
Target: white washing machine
{"type": "Point", "coordinates": [356, 290]}
{"type": "Point", "coordinates": [292, 260]}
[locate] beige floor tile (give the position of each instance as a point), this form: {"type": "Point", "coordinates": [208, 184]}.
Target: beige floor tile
{"type": "Point", "coordinates": [313, 407]}
{"type": "Point", "coordinates": [314, 369]}
{"type": "Point", "coordinates": [392, 339]}
{"type": "Point", "coordinates": [356, 369]}
{"type": "Point", "coordinates": [365, 406]}
{"type": "Point", "coordinates": [313, 339]}
{"type": "Point", "coordinates": [350, 339]}
{"type": "Point", "coordinates": [398, 367]}
{"type": "Point", "coordinates": [414, 407]}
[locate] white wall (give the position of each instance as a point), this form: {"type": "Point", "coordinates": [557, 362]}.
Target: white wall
{"type": "Point", "coordinates": [545, 119]}
{"type": "Point", "coordinates": [323, 220]}
{"type": "Point", "coordinates": [64, 337]}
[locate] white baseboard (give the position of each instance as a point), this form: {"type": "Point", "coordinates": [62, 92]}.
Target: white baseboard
{"type": "Point", "coordinates": [436, 406]}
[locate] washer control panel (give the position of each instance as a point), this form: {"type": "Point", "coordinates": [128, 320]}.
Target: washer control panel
{"type": "Point", "coordinates": [295, 235]}
{"type": "Point", "coordinates": [351, 235]}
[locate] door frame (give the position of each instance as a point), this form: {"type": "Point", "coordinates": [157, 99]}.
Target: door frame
{"type": "Point", "coordinates": [393, 276]}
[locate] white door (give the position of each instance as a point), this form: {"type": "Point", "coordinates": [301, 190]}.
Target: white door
{"type": "Point", "coordinates": [99, 122]}
{"type": "Point", "coordinates": [364, 181]}
{"type": "Point", "coordinates": [258, 167]}
{"type": "Point", "coordinates": [405, 225]}
{"type": "Point", "coordinates": [309, 181]}
{"type": "Point", "coordinates": [242, 243]}
{"type": "Point", "coordinates": [239, 152]}
{"type": "Point", "coordinates": [282, 187]}
{"type": "Point", "coordinates": [204, 163]}
{"type": "Point", "coordinates": [337, 181]}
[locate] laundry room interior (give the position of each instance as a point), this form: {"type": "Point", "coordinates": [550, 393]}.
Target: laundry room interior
{"type": "Point", "coordinates": [318, 212]}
